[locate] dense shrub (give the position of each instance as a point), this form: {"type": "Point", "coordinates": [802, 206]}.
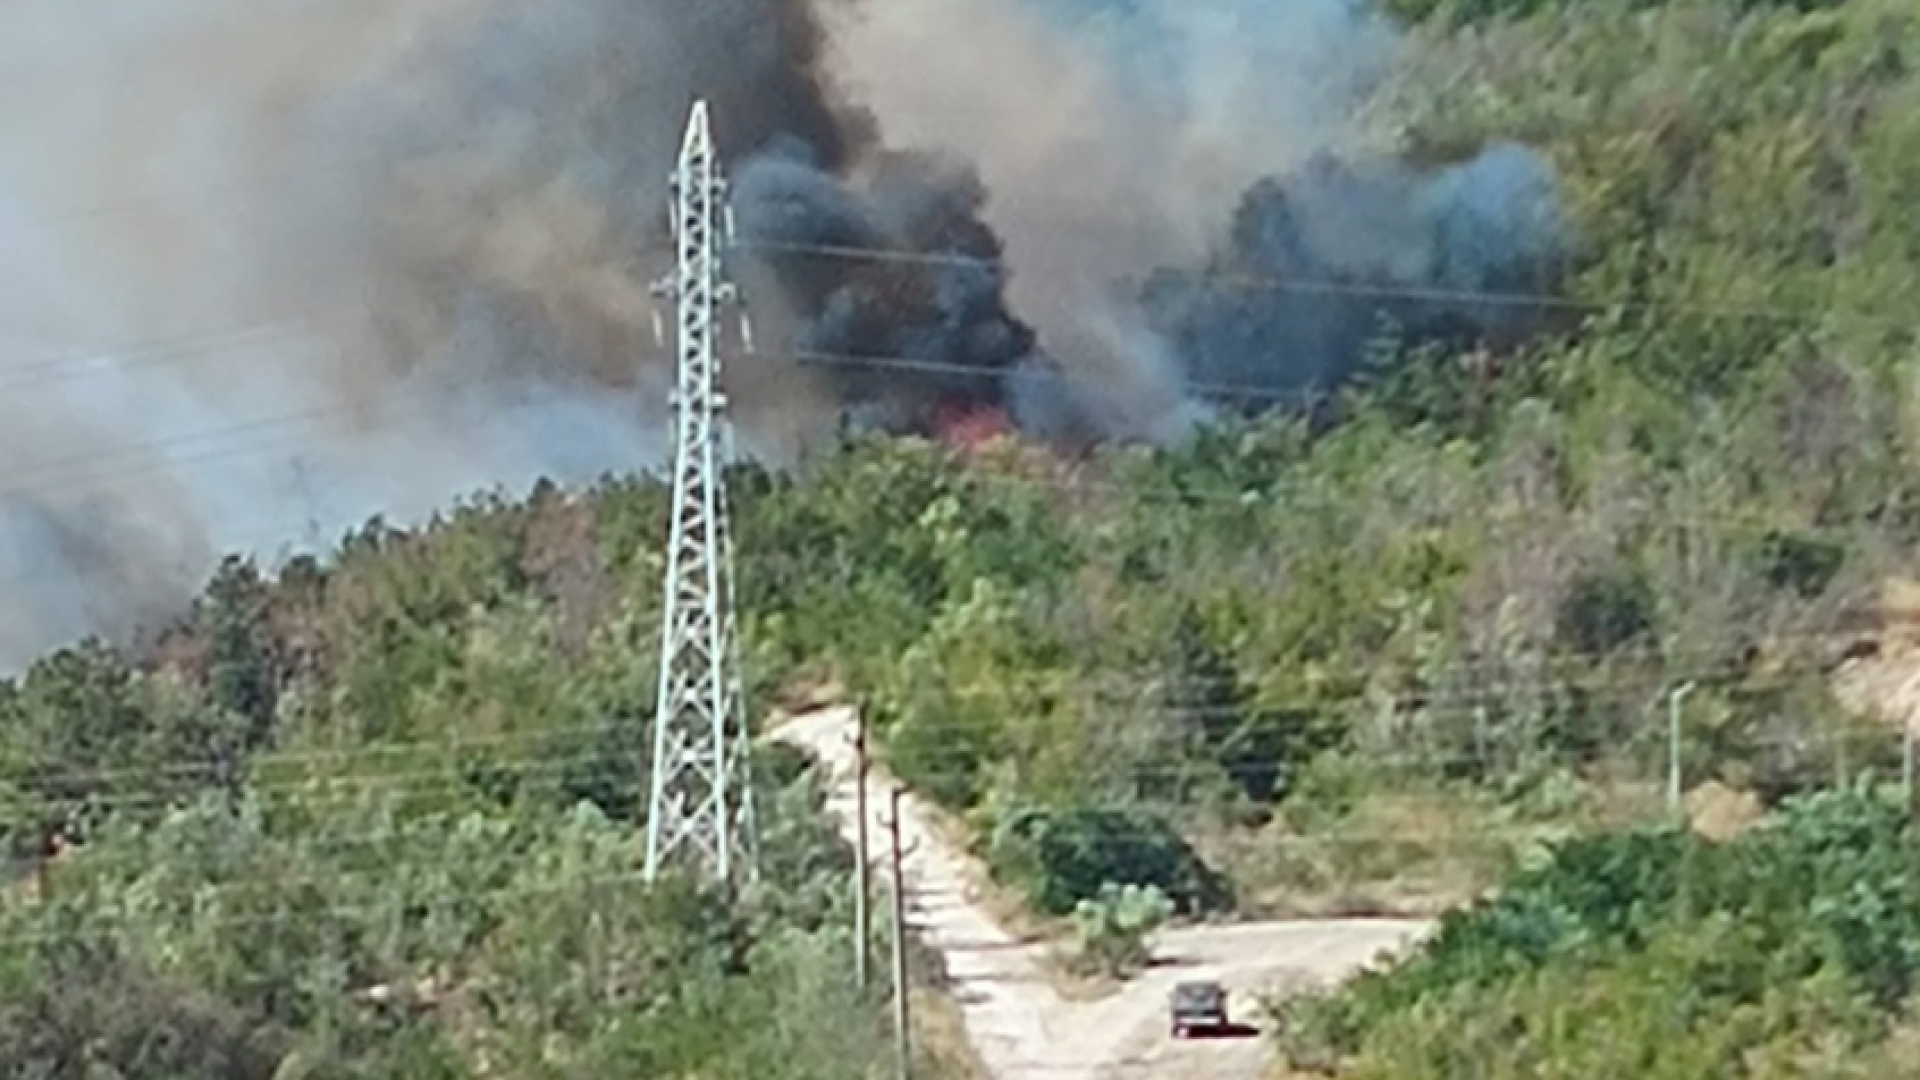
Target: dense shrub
{"type": "Point", "coordinates": [137, 1025]}
{"type": "Point", "coordinates": [1061, 855]}
{"type": "Point", "coordinates": [1820, 904]}
{"type": "Point", "coordinates": [279, 937]}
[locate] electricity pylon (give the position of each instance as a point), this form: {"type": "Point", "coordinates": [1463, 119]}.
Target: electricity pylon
{"type": "Point", "coordinates": [701, 806]}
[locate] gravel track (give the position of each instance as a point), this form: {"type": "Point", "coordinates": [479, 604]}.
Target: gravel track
{"type": "Point", "coordinates": [1020, 1025]}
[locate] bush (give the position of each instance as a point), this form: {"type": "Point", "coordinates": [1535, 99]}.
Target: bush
{"type": "Point", "coordinates": [1112, 931]}
{"type": "Point", "coordinates": [1060, 856]}
{"type": "Point", "coordinates": [1805, 929]}
{"type": "Point", "coordinates": [85, 1011]}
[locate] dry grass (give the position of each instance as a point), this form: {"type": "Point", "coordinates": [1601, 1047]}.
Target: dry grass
{"type": "Point", "coordinates": [1899, 1055]}
{"type": "Point", "coordinates": [938, 1031]}
{"type": "Point", "coordinates": [1401, 857]}
{"type": "Point", "coordinates": [1012, 914]}
{"type": "Point", "coordinates": [940, 1045]}
{"type": "Point", "coordinates": [1004, 906]}
{"type": "Point", "coordinates": [1883, 678]}
{"type": "Point", "coordinates": [805, 695]}
{"type": "Point", "coordinates": [1076, 985]}
{"type": "Point", "coordinates": [1408, 854]}
{"type": "Point", "coordinates": [1718, 813]}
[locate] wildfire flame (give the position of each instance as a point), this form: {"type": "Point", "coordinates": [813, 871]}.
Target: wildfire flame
{"type": "Point", "coordinates": [970, 427]}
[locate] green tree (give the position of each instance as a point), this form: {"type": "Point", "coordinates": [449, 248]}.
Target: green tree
{"type": "Point", "coordinates": [1061, 855]}
{"type": "Point", "coordinates": [1113, 931]}
{"type": "Point", "coordinates": [241, 670]}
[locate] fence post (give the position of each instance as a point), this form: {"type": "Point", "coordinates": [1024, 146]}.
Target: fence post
{"type": "Point", "coordinates": [1674, 700]}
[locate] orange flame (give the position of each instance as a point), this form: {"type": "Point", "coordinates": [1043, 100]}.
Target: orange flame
{"type": "Point", "coordinates": [969, 428]}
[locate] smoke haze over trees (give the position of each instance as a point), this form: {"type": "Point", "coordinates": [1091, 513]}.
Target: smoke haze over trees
{"type": "Point", "coordinates": [271, 268]}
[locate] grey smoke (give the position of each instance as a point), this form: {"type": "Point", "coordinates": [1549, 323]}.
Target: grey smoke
{"type": "Point", "coordinates": [1323, 264]}
{"type": "Point", "coordinates": [443, 216]}
{"type": "Point", "coordinates": [442, 219]}
{"type": "Point", "coordinates": [1124, 140]}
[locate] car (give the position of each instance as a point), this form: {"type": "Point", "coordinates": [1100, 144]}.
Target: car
{"type": "Point", "coordinates": [1198, 1007]}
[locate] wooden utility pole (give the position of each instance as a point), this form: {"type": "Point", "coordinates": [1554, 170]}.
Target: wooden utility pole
{"type": "Point", "coordinates": [902, 1044]}
{"type": "Point", "coordinates": [1907, 763]}
{"type": "Point", "coordinates": [862, 919]}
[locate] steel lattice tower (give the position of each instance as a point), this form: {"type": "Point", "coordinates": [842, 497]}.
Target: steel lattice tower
{"type": "Point", "coordinates": [701, 805]}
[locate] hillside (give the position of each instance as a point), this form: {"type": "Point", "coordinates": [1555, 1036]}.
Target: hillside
{"type": "Point", "coordinates": [373, 814]}
{"type": "Point", "coordinates": [1785, 953]}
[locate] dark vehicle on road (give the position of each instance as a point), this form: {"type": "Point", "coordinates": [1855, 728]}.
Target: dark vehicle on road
{"type": "Point", "coordinates": [1199, 1007]}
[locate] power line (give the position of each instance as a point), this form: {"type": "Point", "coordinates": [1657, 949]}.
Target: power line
{"type": "Point", "coordinates": [289, 328]}
{"type": "Point", "coordinates": [1087, 686]}
{"type": "Point", "coordinates": [556, 763]}
{"type": "Point", "coordinates": [1267, 282]}
{"type": "Point", "coordinates": [325, 847]}
{"type": "Point", "coordinates": [1095, 688]}
{"type": "Point", "coordinates": [389, 152]}
{"type": "Point", "coordinates": [1240, 281]}
{"type": "Point", "coordinates": [216, 442]}
{"type": "Point", "coordinates": [189, 345]}
{"type": "Point", "coordinates": [335, 852]}
{"type": "Point", "coordinates": [112, 924]}
{"type": "Point", "coordinates": [61, 474]}
{"type": "Point", "coordinates": [415, 830]}
{"type": "Point", "coordinates": [546, 888]}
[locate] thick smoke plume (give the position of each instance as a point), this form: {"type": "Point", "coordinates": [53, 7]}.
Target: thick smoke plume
{"type": "Point", "coordinates": [898, 288]}
{"type": "Point", "coordinates": [1188, 206]}
{"type": "Point", "coordinates": [1321, 264]}
{"type": "Point", "coordinates": [273, 266]}
{"type": "Point", "coordinates": [269, 267]}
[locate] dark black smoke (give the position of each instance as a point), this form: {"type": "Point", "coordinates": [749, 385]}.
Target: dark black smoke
{"type": "Point", "coordinates": [904, 335]}
{"type": "Point", "coordinates": [1319, 269]}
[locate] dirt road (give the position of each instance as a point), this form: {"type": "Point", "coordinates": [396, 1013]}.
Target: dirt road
{"type": "Point", "coordinates": [1019, 1024]}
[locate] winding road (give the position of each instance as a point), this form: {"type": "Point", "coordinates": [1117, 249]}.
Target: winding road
{"type": "Point", "coordinates": [1020, 1025]}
